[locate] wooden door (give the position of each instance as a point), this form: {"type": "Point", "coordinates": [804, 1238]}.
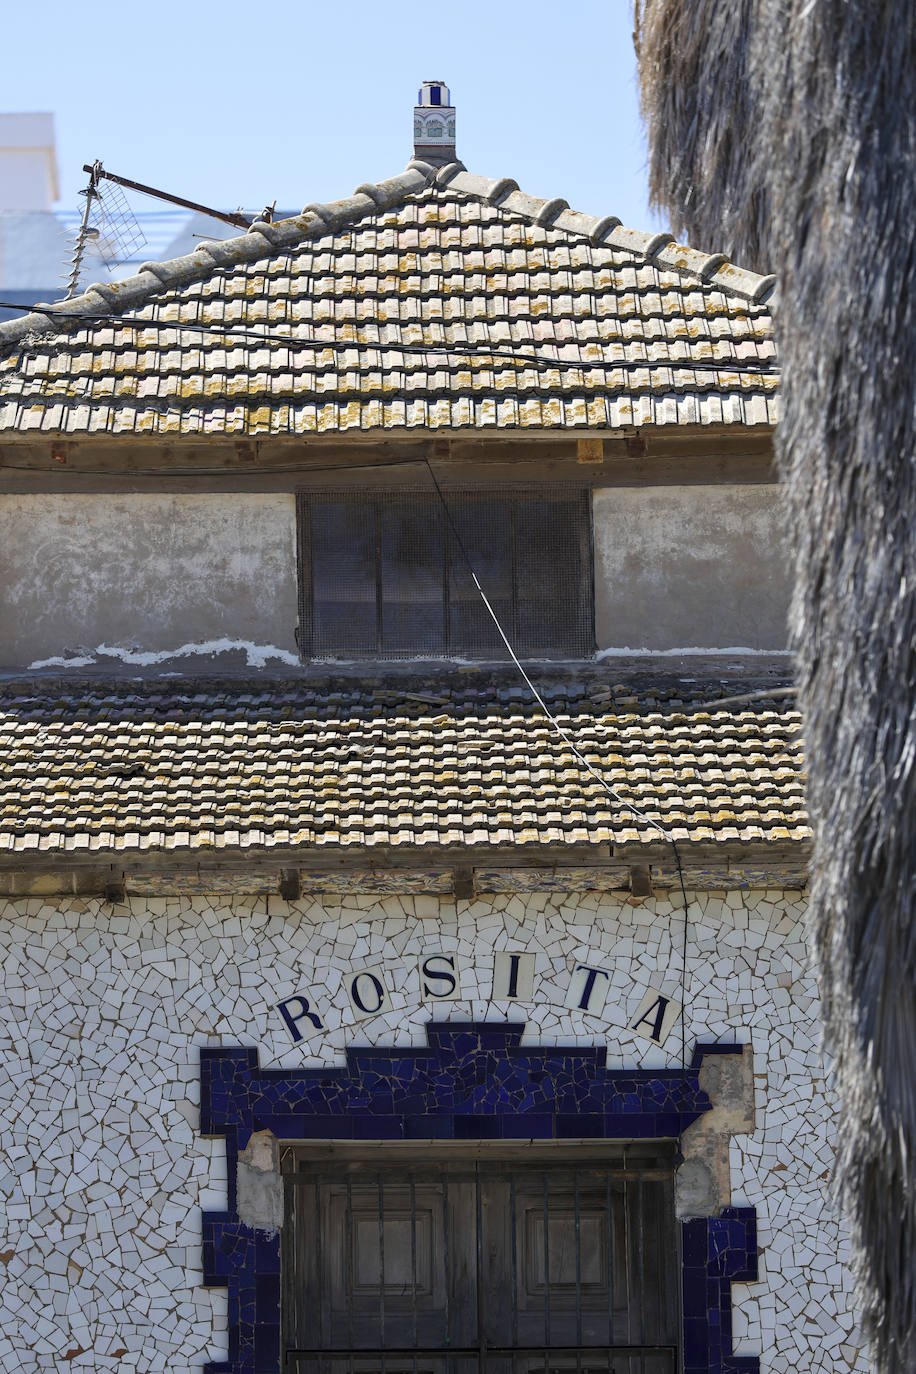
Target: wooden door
{"type": "Point", "coordinates": [487, 1267]}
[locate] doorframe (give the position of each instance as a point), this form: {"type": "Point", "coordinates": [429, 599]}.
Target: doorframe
{"type": "Point", "coordinates": [474, 1082]}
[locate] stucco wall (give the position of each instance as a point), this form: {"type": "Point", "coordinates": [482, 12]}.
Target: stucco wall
{"type": "Point", "coordinates": [693, 567]}
{"type": "Point", "coordinates": [145, 575]}
{"type": "Point", "coordinates": [105, 1009]}
{"type": "Point", "coordinates": [143, 578]}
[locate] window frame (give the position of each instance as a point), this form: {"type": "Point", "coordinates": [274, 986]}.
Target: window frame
{"type": "Point", "coordinates": [582, 533]}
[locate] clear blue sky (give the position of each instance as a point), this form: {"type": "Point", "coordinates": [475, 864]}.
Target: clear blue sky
{"type": "Point", "coordinates": [234, 103]}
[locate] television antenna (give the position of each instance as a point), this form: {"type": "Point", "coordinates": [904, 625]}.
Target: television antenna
{"type": "Point", "coordinates": [109, 224]}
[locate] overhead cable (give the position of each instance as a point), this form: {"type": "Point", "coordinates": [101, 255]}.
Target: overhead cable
{"type": "Point", "coordinates": [420, 349]}
{"type": "Point", "coordinates": [568, 739]}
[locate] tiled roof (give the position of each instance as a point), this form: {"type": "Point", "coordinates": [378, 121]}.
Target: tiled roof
{"type": "Point", "coordinates": [366, 288]}
{"type": "Point", "coordinates": [193, 768]}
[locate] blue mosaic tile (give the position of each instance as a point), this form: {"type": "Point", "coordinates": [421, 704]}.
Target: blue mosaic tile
{"type": "Point", "coordinates": [717, 1251]}
{"type": "Point", "coordinates": [475, 1081]}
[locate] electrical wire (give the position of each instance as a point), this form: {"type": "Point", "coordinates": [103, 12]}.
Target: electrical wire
{"type": "Point", "coordinates": [450, 350]}
{"type": "Point", "coordinates": [567, 738]}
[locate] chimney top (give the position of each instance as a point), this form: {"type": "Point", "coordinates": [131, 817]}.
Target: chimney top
{"type": "Point", "coordinates": [434, 124]}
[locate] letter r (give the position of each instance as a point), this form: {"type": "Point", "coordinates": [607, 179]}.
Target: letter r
{"type": "Point", "coordinates": [304, 1013]}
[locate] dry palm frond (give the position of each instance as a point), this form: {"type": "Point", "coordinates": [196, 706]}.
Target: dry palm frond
{"type": "Point", "coordinates": [784, 132]}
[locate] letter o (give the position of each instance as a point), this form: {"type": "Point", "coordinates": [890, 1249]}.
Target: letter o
{"type": "Point", "coordinates": [377, 987]}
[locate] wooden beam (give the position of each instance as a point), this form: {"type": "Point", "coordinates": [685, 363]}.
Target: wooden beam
{"type": "Point", "coordinates": [641, 880]}
{"type": "Point", "coordinates": [590, 451]}
{"type": "Point", "coordinates": [403, 857]}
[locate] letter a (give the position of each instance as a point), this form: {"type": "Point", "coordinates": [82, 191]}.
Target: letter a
{"type": "Point", "coordinates": [658, 1014]}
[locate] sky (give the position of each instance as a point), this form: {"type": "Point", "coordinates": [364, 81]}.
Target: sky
{"type": "Point", "coordinates": [234, 103]}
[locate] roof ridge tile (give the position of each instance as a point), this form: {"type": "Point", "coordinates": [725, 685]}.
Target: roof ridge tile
{"type": "Point", "coordinates": [550, 210]}
{"type": "Point", "coordinates": [371, 189]}
{"type": "Point", "coordinates": [370, 197]}
{"type": "Point", "coordinates": [502, 188]}
{"type": "Point", "coordinates": [446, 173]}
{"type": "Point", "coordinates": [602, 227]}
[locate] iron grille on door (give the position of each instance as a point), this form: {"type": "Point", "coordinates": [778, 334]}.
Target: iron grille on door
{"type": "Point", "coordinates": [481, 1268]}
{"type": "Point", "coordinates": [382, 575]}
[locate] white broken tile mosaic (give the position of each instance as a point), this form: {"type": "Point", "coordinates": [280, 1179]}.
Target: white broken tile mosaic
{"type": "Point", "coordinates": [105, 1008]}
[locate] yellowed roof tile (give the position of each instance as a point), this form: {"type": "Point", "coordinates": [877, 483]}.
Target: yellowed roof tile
{"type": "Point", "coordinates": [277, 767]}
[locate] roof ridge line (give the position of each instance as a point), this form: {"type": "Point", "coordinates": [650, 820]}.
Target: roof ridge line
{"type": "Point", "coordinates": [503, 193]}
{"type": "Point", "coordinates": [316, 218]}
{"type": "Point", "coordinates": [711, 268]}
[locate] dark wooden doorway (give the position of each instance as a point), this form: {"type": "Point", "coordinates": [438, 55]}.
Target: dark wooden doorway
{"type": "Point", "coordinates": [438, 1263]}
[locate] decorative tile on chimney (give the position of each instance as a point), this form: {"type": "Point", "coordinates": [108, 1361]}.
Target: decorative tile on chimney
{"type": "Point", "coordinates": [434, 124]}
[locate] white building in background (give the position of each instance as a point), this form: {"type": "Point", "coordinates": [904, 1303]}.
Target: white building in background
{"type": "Point", "coordinates": [33, 240]}
{"type": "Point", "coordinates": [37, 232]}
{"type": "Point", "coordinates": [28, 162]}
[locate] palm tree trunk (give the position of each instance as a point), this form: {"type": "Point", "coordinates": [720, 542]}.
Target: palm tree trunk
{"type": "Point", "coordinates": [783, 132]}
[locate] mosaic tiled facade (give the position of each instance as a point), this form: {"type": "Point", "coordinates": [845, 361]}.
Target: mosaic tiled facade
{"type": "Point", "coordinates": [108, 1172]}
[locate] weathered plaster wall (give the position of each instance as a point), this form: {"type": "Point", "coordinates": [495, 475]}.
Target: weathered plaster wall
{"type": "Point", "coordinates": [693, 567]}
{"type": "Point", "coordinates": [143, 579]}
{"type": "Point", "coordinates": [105, 1008]}
{"type": "Point", "coordinates": [127, 577]}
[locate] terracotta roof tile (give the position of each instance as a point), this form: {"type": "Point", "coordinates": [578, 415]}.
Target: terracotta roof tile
{"type": "Point", "coordinates": [442, 268]}
{"type": "Point", "coordinates": [202, 767]}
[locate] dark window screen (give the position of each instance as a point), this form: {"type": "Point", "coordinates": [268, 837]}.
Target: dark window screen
{"type": "Point", "coordinates": [383, 575]}
{"type": "Point", "coordinates": [487, 1267]}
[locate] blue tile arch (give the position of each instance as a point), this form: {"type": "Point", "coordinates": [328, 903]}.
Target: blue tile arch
{"type": "Point", "coordinates": [473, 1080]}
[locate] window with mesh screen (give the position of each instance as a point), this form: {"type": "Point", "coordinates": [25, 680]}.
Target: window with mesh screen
{"type": "Point", "coordinates": [383, 576]}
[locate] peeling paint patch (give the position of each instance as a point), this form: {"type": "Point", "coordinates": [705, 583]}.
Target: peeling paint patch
{"type": "Point", "coordinates": [257, 655]}
{"type": "Point", "coordinates": [79, 661]}
{"type": "Point", "coordinates": [627, 652]}
{"type": "Point", "coordinates": [260, 1187]}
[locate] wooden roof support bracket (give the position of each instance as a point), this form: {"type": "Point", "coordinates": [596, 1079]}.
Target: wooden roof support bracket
{"type": "Point", "coordinates": [463, 884]}
{"type": "Point", "coordinates": [290, 884]}
{"type": "Point", "coordinates": [114, 891]}
{"type": "Point", "coordinates": [590, 450]}
{"type": "Point", "coordinates": [640, 880]}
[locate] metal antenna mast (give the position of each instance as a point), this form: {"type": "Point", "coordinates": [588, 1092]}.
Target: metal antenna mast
{"type": "Point", "coordinates": [84, 233]}
{"type": "Point", "coordinates": [97, 171]}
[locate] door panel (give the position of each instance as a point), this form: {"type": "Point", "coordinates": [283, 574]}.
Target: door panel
{"type": "Point", "coordinates": [386, 1278]}
{"type": "Point", "coordinates": [487, 1268]}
